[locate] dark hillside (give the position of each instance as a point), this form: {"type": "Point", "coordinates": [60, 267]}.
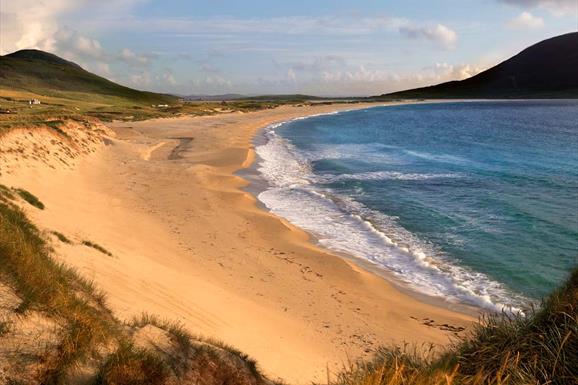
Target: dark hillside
{"type": "Point", "coordinates": [548, 69]}
{"type": "Point", "coordinates": [46, 74]}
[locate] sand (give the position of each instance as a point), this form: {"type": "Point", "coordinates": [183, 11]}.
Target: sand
{"type": "Point", "coordinates": [189, 244]}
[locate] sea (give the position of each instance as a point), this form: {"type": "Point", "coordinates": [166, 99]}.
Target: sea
{"type": "Point", "coordinates": [472, 203]}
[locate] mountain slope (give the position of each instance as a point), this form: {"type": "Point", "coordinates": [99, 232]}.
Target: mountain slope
{"type": "Point", "coordinates": [548, 69]}
{"type": "Point", "coordinates": [46, 74]}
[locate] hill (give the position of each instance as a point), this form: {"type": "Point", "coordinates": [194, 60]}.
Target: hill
{"type": "Point", "coordinates": [67, 91]}
{"type": "Point", "coordinates": [548, 69]}
{"type": "Point", "coordinates": [46, 74]}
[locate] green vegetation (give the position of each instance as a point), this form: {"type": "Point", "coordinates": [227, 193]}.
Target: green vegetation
{"type": "Point", "coordinates": [61, 237]}
{"type": "Point", "coordinates": [175, 330]}
{"type": "Point", "coordinates": [541, 348]}
{"type": "Point", "coordinates": [184, 340]}
{"type": "Point", "coordinates": [75, 106]}
{"type": "Point", "coordinates": [97, 247]}
{"type": "Point", "coordinates": [67, 92]}
{"type": "Point", "coordinates": [6, 193]}
{"type": "Point", "coordinates": [4, 328]}
{"type": "Point", "coordinates": [130, 365]}
{"type": "Point", "coordinates": [51, 288]}
{"type": "Point", "coordinates": [30, 198]}
{"type": "Point", "coordinates": [45, 74]}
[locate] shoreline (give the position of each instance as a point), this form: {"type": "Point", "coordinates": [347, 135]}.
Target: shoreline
{"type": "Point", "coordinates": [190, 245]}
{"type": "Point", "coordinates": [257, 184]}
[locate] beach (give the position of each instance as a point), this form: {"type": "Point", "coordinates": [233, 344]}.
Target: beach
{"type": "Point", "coordinates": [190, 244]}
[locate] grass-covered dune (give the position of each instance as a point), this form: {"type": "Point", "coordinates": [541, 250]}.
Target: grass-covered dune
{"type": "Point", "coordinates": [540, 348]}
{"type": "Point", "coordinates": [56, 328]}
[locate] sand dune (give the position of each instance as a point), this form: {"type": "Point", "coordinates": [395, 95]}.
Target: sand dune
{"type": "Point", "coordinates": [189, 244]}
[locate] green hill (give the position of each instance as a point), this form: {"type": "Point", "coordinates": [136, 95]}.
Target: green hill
{"type": "Point", "coordinates": [46, 74]}
{"type": "Point", "coordinates": [548, 69]}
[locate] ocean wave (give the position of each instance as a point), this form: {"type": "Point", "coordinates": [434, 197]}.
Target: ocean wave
{"type": "Point", "coordinates": [343, 224]}
{"type": "Point", "coordinates": [369, 152]}
{"type": "Point", "coordinates": [382, 175]}
{"type": "Point", "coordinates": [443, 158]}
{"type": "Point", "coordinates": [280, 165]}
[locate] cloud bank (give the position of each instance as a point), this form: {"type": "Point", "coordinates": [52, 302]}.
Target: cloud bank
{"type": "Point", "coordinates": [343, 54]}
{"type": "Point", "coordinates": [438, 33]}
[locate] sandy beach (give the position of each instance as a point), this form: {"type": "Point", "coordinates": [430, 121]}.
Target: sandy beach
{"type": "Point", "coordinates": [188, 243]}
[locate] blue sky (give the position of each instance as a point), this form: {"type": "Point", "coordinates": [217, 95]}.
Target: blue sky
{"type": "Point", "coordinates": [318, 47]}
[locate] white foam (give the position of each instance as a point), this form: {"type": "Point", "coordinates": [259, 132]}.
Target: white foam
{"type": "Point", "coordinates": [443, 158]}
{"type": "Point", "coordinates": [367, 152]}
{"type": "Point", "coordinates": [382, 175]}
{"type": "Point", "coordinates": [342, 224]}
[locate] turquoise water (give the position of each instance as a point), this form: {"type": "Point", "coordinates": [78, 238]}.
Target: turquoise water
{"type": "Point", "coordinates": [472, 202]}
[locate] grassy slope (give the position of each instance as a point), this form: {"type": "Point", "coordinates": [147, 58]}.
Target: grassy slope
{"type": "Point", "coordinates": [69, 92]}
{"type": "Point", "coordinates": [78, 106]}
{"type": "Point", "coordinates": [46, 74]}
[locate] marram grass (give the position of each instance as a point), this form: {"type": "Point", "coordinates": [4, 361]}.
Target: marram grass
{"type": "Point", "coordinates": [540, 348]}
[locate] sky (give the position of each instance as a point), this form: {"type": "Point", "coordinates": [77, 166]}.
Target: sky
{"type": "Point", "coordinates": [317, 47]}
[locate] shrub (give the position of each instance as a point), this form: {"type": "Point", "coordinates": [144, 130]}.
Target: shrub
{"type": "Point", "coordinates": [61, 237]}
{"type": "Point", "coordinates": [132, 366]}
{"type": "Point", "coordinates": [97, 247]}
{"type": "Point", "coordinates": [30, 198]}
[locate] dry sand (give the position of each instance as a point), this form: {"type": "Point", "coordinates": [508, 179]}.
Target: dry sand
{"type": "Point", "coordinates": [189, 244]}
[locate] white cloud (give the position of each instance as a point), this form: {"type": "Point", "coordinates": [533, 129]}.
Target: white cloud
{"type": "Point", "coordinates": [131, 58]}
{"type": "Point", "coordinates": [141, 79]}
{"type": "Point", "coordinates": [41, 24]}
{"type": "Point", "coordinates": [438, 33]}
{"type": "Point", "coordinates": [229, 29]}
{"type": "Point", "coordinates": [359, 79]}
{"type": "Point", "coordinates": [27, 22]}
{"type": "Point", "coordinates": [294, 25]}
{"type": "Point", "coordinates": [444, 71]}
{"type": "Point", "coordinates": [72, 44]}
{"type": "Point", "coordinates": [526, 20]}
{"type": "Point", "coordinates": [34, 24]}
{"type": "Point", "coordinates": [557, 7]}
{"type": "Point", "coordinates": [209, 84]}
{"type": "Point", "coordinates": [167, 77]}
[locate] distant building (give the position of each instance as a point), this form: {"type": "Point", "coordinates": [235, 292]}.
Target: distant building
{"type": "Point", "coordinates": [34, 101]}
